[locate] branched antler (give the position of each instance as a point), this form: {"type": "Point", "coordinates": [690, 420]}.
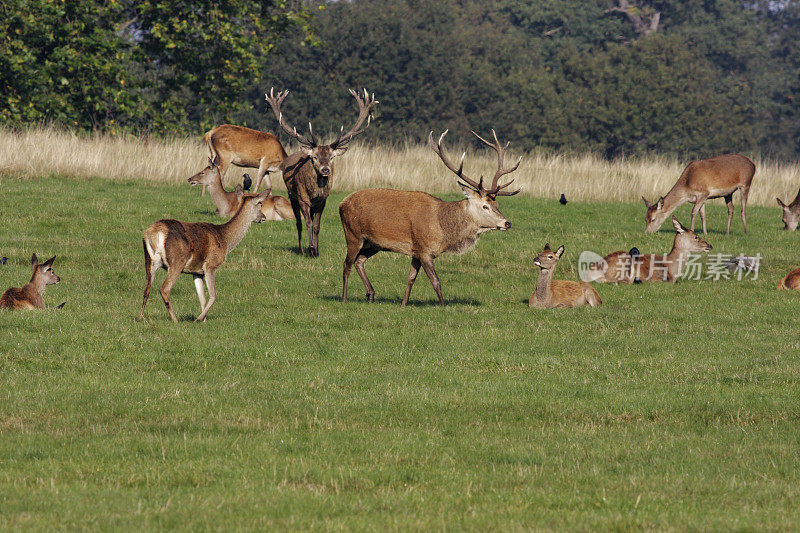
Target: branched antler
{"type": "Point", "coordinates": [459, 171]}
{"type": "Point", "coordinates": [275, 102]}
{"type": "Point", "coordinates": [364, 113]}
{"type": "Point", "coordinates": [501, 152]}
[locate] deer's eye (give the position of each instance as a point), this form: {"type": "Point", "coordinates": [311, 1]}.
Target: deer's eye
{"type": "Point", "coordinates": [486, 207]}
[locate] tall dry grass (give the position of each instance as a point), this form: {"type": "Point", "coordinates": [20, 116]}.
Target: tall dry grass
{"type": "Point", "coordinates": [45, 150]}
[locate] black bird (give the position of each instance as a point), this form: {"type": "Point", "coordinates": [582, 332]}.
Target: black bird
{"type": "Point", "coordinates": [563, 199]}
{"type": "Point", "coordinates": [61, 305]}
{"type": "Point", "coordinates": [246, 182]}
{"type": "Point", "coordinates": [3, 260]}
{"type": "Point", "coordinates": [633, 252]}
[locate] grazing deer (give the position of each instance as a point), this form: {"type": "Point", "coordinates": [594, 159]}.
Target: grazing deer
{"type": "Point", "coordinates": [552, 293]}
{"type": "Point", "coordinates": [790, 281]}
{"type": "Point", "coordinates": [196, 248]}
{"type": "Point", "coordinates": [308, 172]}
{"type": "Point", "coordinates": [419, 225]}
{"type": "Point", "coordinates": [228, 202]}
{"type": "Point", "coordinates": [29, 296]}
{"type": "Point", "coordinates": [717, 177]}
{"type": "Point", "coordinates": [244, 147]}
{"type": "Point", "coordinates": [791, 212]}
{"type": "Point", "coordinates": [669, 267]}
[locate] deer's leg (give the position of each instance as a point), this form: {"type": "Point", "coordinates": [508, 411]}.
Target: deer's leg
{"type": "Point", "coordinates": [412, 276]}
{"type": "Point", "coordinates": [697, 205]}
{"type": "Point", "coordinates": [316, 216]}
{"type": "Point", "coordinates": [364, 254]}
{"type": "Point", "coordinates": [201, 294]}
{"type": "Point", "coordinates": [703, 217]}
{"type": "Point", "coordinates": [263, 170]}
{"type": "Point", "coordinates": [212, 297]}
{"type": "Point", "coordinates": [729, 204]}
{"type": "Point", "coordinates": [172, 276]}
{"type": "Point", "coordinates": [427, 264]}
{"type": "Point", "coordinates": [298, 220]}
{"type": "Point", "coordinates": [150, 269]}
{"type": "Point", "coordinates": [745, 193]}
{"type": "Point", "coordinates": [306, 210]}
{"type": "Point", "coordinates": [353, 248]}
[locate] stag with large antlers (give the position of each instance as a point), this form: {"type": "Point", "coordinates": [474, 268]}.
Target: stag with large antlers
{"type": "Point", "coordinates": [419, 225]}
{"type": "Point", "coordinates": [308, 172]}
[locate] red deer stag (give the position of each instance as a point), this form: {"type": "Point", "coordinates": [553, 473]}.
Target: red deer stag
{"type": "Point", "coordinates": [419, 225]}
{"type": "Point", "coordinates": [196, 248]}
{"type": "Point", "coordinates": [791, 212]}
{"type": "Point", "coordinates": [29, 296]}
{"type": "Point", "coordinates": [244, 147]}
{"type": "Point", "coordinates": [308, 172]}
{"type": "Point", "coordinates": [717, 177]}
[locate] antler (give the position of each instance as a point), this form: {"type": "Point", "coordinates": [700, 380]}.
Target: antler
{"type": "Point", "coordinates": [496, 190]}
{"type": "Point", "coordinates": [439, 149]}
{"type": "Point", "coordinates": [364, 113]}
{"type": "Point", "coordinates": [275, 103]}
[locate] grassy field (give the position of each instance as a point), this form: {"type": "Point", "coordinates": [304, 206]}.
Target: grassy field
{"type": "Point", "coordinates": [669, 407]}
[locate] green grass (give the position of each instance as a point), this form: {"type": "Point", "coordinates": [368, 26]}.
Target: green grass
{"type": "Point", "coordinates": [669, 407]}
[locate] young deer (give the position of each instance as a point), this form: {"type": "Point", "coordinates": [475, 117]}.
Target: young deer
{"type": "Point", "coordinates": [791, 281]}
{"type": "Point", "coordinates": [552, 293]}
{"type": "Point", "coordinates": [227, 203]}
{"type": "Point", "coordinates": [717, 177]}
{"type": "Point", "coordinates": [419, 225]}
{"type": "Point", "coordinates": [29, 296]}
{"type": "Point", "coordinates": [196, 248]}
{"type": "Point", "coordinates": [244, 147]}
{"type": "Point", "coordinates": [669, 267]}
{"type": "Point", "coordinates": [308, 173]}
{"type": "Point", "coordinates": [791, 212]}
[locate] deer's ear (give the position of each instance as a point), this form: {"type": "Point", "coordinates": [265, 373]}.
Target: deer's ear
{"type": "Point", "coordinates": [677, 225]}
{"type": "Point", "coordinates": [306, 150]}
{"type": "Point", "coordinates": [49, 262]}
{"type": "Point", "coordinates": [559, 251]}
{"type": "Point", "coordinates": [780, 203]}
{"type": "Point", "coordinates": [339, 151]}
{"type": "Point", "coordinates": [468, 191]}
{"type": "Point", "coordinates": [547, 247]}
{"type": "Point", "coordinates": [263, 196]}
{"type": "Point", "coordinates": [646, 203]}
{"type": "Point", "coordinates": [34, 261]}
{"type": "Point", "coordinates": [660, 203]}
{"type": "Point", "coordinates": [215, 161]}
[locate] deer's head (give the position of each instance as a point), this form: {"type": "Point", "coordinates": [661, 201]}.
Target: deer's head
{"type": "Point", "coordinates": [251, 207]}
{"type": "Point", "coordinates": [321, 155]}
{"type": "Point", "coordinates": [43, 272]}
{"type": "Point", "coordinates": [482, 202]}
{"type": "Point", "coordinates": [655, 215]}
{"type": "Point", "coordinates": [688, 241]}
{"type": "Point", "coordinates": [791, 213]}
{"type": "Point", "coordinates": [208, 175]}
{"type": "Point", "coordinates": [547, 258]}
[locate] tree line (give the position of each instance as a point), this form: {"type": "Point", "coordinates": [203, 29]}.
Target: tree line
{"type": "Point", "coordinates": [617, 77]}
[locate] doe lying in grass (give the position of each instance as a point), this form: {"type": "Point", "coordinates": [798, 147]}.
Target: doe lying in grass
{"type": "Point", "coordinates": [551, 293]}
{"type": "Point", "coordinates": [790, 281]}
{"type": "Point", "coordinates": [29, 296]}
{"type": "Point", "coordinates": [196, 248]}
{"type": "Point", "coordinates": [791, 213]}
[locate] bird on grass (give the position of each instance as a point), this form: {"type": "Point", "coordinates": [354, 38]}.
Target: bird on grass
{"type": "Point", "coordinates": [246, 182]}
{"type": "Point", "coordinates": [3, 260]}
{"type": "Point", "coordinates": [563, 199]}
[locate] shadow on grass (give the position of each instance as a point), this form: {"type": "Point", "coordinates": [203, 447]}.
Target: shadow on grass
{"type": "Point", "coordinates": [411, 303]}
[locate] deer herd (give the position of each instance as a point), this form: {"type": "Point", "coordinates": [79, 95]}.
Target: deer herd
{"type": "Point", "coordinates": [411, 223]}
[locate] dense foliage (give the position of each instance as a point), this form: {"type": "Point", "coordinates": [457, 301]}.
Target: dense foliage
{"type": "Point", "coordinates": [574, 75]}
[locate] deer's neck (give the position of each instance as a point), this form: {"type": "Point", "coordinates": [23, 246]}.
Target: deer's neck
{"type": "Point", "coordinates": [543, 291]}
{"type": "Point", "coordinates": [677, 196]}
{"type": "Point", "coordinates": [676, 259]}
{"type": "Point", "coordinates": [221, 198]}
{"type": "Point", "coordinates": [36, 284]}
{"type": "Point", "coordinates": [459, 231]}
{"type": "Point", "coordinates": [234, 230]}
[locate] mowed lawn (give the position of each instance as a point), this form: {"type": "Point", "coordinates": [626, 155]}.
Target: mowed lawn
{"type": "Point", "coordinates": [669, 407]}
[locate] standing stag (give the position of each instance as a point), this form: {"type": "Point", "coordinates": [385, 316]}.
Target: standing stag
{"type": "Point", "coordinates": [308, 172]}
{"type": "Point", "coordinates": [243, 147]}
{"type": "Point", "coordinates": [419, 225]}
{"type": "Point", "coordinates": [717, 177]}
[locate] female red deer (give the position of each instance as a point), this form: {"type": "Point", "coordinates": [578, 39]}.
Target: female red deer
{"type": "Point", "coordinates": [419, 225]}
{"type": "Point", "coordinates": [29, 296]}
{"type": "Point", "coordinates": [550, 293]}
{"type": "Point", "coordinates": [308, 173]}
{"type": "Point", "coordinates": [717, 177]}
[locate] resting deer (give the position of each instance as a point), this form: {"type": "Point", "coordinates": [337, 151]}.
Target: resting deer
{"type": "Point", "coordinates": [669, 267]}
{"type": "Point", "coordinates": [228, 202]}
{"type": "Point", "coordinates": [717, 177]}
{"type": "Point", "coordinates": [790, 281]}
{"type": "Point", "coordinates": [195, 248]}
{"type": "Point", "coordinates": [244, 147]}
{"type": "Point", "coordinates": [308, 173]}
{"type": "Point", "coordinates": [791, 212]}
{"type": "Point", "coordinates": [552, 293]}
{"type": "Point", "coordinates": [419, 225]}
{"type": "Point", "coordinates": [616, 267]}
{"type": "Point", "coordinates": [29, 296]}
